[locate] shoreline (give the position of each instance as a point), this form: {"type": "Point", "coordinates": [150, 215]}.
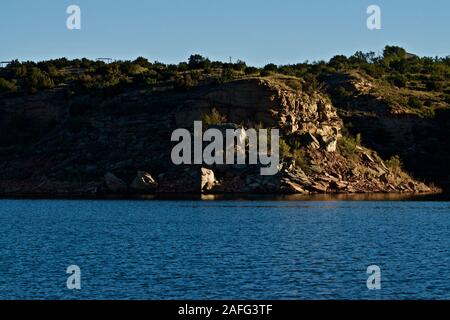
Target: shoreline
{"type": "Point", "coordinates": [430, 196]}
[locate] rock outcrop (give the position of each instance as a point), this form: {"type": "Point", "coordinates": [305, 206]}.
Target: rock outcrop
{"type": "Point", "coordinates": [115, 184]}
{"type": "Point", "coordinates": [131, 132]}
{"type": "Point", "coordinates": [390, 127]}
{"type": "Point", "coordinates": [144, 183]}
{"type": "Point", "coordinates": [208, 180]}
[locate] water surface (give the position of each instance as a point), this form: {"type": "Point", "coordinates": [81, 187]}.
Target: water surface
{"type": "Point", "coordinates": [224, 249]}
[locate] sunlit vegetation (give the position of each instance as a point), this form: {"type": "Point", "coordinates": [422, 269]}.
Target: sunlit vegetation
{"type": "Point", "coordinates": [394, 69]}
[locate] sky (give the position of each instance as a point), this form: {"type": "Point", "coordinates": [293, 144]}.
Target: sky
{"type": "Point", "coordinates": [256, 31]}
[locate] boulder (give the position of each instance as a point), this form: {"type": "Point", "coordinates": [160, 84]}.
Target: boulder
{"type": "Point", "coordinates": [144, 182]}
{"type": "Point", "coordinates": [115, 184]}
{"type": "Point", "coordinates": [208, 180]}
{"type": "Point", "coordinates": [320, 187]}
{"type": "Point", "coordinates": [309, 140]}
{"type": "Point", "coordinates": [367, 157]}
{"type": "Point", "coordinates": [331, 146]}
{"type": "Point", "coordinates": [386, 178]}
{"type": "Point", "coordinates": [292, 187]}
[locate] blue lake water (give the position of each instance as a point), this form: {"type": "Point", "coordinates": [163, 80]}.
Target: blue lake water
{"type": "Point", "coordinates": [224, 249]}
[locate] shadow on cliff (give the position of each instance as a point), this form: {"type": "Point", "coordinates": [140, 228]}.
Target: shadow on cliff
{"type": "Point", "coordinates": [420, 142]}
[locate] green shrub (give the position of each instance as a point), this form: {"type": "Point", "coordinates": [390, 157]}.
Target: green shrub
{"type": "Point", "coordinates": [294, 143]}
{"type": "Point", "coordinates": [251, 70]}
{"type": "Point", "coordinates": [434, 85]}
{"type": "Point", "coordinates": [311, 83]}
{"type": "Point", "coordinates": [167, 75]}
{"type": "Point", "coordinates": [185, 82]}
{"type": "Point", "coordinates": [136, 69]}
{"type": "Point", "coordinates": [398, 80]}
{"type": "Point", "coordinates": [294, 84]}
{"type": "Point", "coordinates": [358, 139]}
{"type": "Point", "coordinates": [338, 62]}
{"type": "Point", "coordinates": [213, 118]}
{"type": "Point", "coordinates": [395, 164]}
{"type": "Point", "coordinates": [227, 75]}
{"type": "Point", "coordinates": [374, 70]}
{"type": "Point", "coordinates": [347, 147]}
{"type": "Point", "coordinates": [265, 73]}
{"type": "Point", "coordinates": [342, 93]}
{"type": "Point", "coordinates": [182, 67]}
{"type": "Point", "coordinates": [197, 61]}
{"type": "Point", "coordinates": [428, 112]}
{"type": "Point", "coordinates": [285, 149]}
{"type": "Point", "coordinates": [37, 80]}
{"type": "Point", "coordinates": [239, 66]}
{"type": "Point", "coordinates": [143, 62]}
{"type": "Point", "coordinates": [8, 86]}
{"type": "Point", "coordinates": [447, 99]}
{"type": "Point", "coordinates": [414, 102]}
{"type": "Point", "coordinates": [18, 70]}
{"type": "Point", "coordinates": [300, 159]}
{"type": "Point", "coordinates": [271, 67]}
{"type": "Point", "coordinates": [85, 82]}
{"type": "Point", "coordinates": [394, 52]}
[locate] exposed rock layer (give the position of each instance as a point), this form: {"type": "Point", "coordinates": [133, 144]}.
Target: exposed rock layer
{"type": "Point", "coordinates": [100, 151]}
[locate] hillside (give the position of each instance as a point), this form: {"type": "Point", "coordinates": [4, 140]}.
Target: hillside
{"type": "Point", "coordinates": [352, 125]}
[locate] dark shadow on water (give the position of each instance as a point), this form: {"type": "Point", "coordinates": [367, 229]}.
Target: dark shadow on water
{"type": "Point", "coordinates": [318, 197]}
{"type": "Point", "coordinates": [251, 197]}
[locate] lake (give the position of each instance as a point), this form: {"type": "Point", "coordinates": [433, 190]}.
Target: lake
{"type": "Point", "coordinates": [225, 249]}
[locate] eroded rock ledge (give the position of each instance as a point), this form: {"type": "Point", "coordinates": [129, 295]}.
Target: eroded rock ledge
{"type": "Point", "coordinates": [123, 146]}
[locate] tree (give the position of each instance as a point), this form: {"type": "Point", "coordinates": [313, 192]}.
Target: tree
{"type": "Point", "coordinates": [394, 52]}
{"type": "Point", "coordinates": [251, 70]}
{"type": "Point", "coordinates": [17, 69]}
{"type": "Point", "coordinates": [271, 67]}
{"type": "Point", "coordinates": [239, 65]}
{"type": "Point", "coordinates": [37, 80]}
{"type": "Point", "coordinates": [197, 61]}
{"type": "Point", "coordinates": [358, 58]}
{"type": "Point", "coordinates": [338, 62]}
{"type": "Point", "coordinates": [183, 66]}
{"type": "Point", "coordinates": [143, 62]}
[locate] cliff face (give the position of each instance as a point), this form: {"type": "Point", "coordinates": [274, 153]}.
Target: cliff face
{"type": "Point", "coordinates": [390, 127]}
{"type": "Point", "coordinates": [268, 102]}
{"type": "Point", "coordinates": [93, 145]}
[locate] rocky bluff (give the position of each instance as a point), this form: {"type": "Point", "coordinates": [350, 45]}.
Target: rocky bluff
{"type": "Point", "coordinates": [89, 144]}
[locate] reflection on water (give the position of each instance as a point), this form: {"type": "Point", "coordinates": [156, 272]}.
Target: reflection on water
{"type": "Point", "coordinates": [264, 197]}
{"type": "Point", "coordinates": [298, 197]}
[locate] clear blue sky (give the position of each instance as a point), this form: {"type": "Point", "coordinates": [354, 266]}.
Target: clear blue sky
{"type": "Point", "coordinates": [257, 31]}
